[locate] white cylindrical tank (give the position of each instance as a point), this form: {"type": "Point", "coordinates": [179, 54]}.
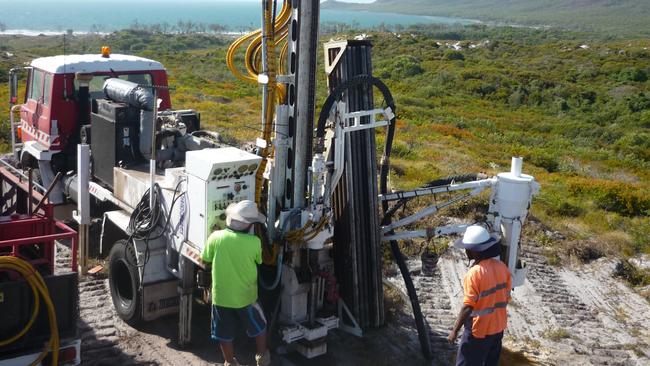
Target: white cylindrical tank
{"type": "Point", "coordinates": [514, 191]}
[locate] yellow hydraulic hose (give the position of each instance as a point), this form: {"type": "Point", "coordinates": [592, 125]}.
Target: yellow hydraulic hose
{"type": "Point", "coordinates": [283, 56]}
{"type": "Point", "coordinates": [39, 289]}
{"type": "Point", "coordinates": [230, 56]}
{"type": "Point", "coordinates": [276, 32]}
{"type": "Point", "coordinates": [255, 39]}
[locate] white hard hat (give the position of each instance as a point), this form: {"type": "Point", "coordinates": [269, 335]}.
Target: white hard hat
{"type": "Point", "coordinates": [244, 211]}
{"type": "Point", "coordinates": [476, 239]}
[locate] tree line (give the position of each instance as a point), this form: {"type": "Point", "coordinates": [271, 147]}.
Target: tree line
{"type": "Point", "coordinates": [180, 27]}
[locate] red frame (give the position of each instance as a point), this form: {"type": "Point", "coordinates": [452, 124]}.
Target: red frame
{"type": "Point", "coordinates": [40, 230]}
{"type": "Point", "coordinates": [23, 231]}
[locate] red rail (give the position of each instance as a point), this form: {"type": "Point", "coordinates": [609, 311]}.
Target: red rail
{"type": "Point", "coordinates": [31, 237]}
{"type": "Point", "coordinates": [36, 235]}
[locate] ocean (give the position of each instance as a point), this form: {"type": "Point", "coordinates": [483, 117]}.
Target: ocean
{"type": "Point", "coordinates": [106, 16]}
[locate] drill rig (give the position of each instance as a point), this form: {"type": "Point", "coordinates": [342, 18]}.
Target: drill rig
{"type": "Point", "coordinates": [162, 184]}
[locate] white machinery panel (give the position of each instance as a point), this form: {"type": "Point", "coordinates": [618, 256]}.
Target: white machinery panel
{"type": "Point", "coordinates": [216, 178]}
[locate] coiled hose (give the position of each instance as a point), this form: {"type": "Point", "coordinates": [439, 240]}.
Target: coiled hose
{"type": "Point", "coordinates": [39, 289]}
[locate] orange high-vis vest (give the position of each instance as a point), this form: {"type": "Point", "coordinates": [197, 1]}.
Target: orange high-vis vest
{"type": "Point", "coordinates": [487, 287]}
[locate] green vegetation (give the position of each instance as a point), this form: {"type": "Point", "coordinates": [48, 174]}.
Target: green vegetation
{"type": "Point", "coordinates": [627, 18]}
{"type": "Point", "coordinates": [577, 108]}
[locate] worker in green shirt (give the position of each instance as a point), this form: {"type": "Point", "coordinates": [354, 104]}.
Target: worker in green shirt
{"type": "Point", "coordinates": [234, 254]}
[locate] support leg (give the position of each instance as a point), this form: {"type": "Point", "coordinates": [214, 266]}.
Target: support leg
{"type": "Point", "coordinates": [185, 291]}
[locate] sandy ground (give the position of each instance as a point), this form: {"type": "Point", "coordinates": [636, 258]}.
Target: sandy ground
{"type": "Point", "coordinates": [561, 316]}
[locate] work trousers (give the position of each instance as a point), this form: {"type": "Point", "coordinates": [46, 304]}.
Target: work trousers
{"type": "Point", "coordinates": [479, 351]}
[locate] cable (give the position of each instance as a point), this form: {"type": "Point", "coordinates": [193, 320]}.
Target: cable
{"type": "Point", "coordinates": [39, 289]}
{"type": "Point", "coordinates": [144, 220]}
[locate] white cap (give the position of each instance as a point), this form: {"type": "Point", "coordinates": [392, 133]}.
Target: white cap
{"type": "Point", "coordinates": [244, 211]}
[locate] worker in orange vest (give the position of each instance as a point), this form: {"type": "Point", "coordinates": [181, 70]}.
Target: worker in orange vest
{"type": "Point", "coordinates": [487, 287]}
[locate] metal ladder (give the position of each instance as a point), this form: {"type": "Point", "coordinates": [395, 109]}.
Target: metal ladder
{"type": "Point", "coordinates": [15, 144]}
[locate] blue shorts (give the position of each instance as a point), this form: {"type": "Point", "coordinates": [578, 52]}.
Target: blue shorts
{"type": "Point", "coordinates": [226, 321]}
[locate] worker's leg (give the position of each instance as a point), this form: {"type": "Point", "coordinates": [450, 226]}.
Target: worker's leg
{"type": "Point", "coordinates": [253, 318]}
{"type": "Point", "coordinates": [495, 350]}
{"type": "Point", "coordinates": [223, 331]}
{"type": "Point", "coordinates": [260, 343]}
{"type": "Point", "coordinates": [228, 351]}
{"type": "Point", "coordinates": [471, 351]}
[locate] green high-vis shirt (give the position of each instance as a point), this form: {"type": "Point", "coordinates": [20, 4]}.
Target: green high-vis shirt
{"type": "Point", "coordinates": [234, 257]}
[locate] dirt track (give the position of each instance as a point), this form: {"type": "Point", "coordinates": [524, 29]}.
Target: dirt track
{"type": "Point", "coordinates": [576, 316]}
{"type": "Point", "coordinates": [561, 316]}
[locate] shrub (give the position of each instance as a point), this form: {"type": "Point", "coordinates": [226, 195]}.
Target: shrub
{"type": "Point", "coordinates": [560, 205]}
{"type": "Point", "coordinates": [544, 160]}
{"type": "Point", "coordinates": [636, 144]}
{"type": "Point", "coordinates": [444, 78]}
{"type": "Point", "coordinates": [454, 55]}
{"type": "Point", "coordinates": [632, 74]}
{"type": "Point", "coordinates": [632, 274]}
{"type": "Point", "coordinates": [402, 66]}
{"type": "Point", "coordinates": [623, 198]}
{"type": "Point", "coordinates": [431, 91]}
{"type": "Point", "coordinates": [516, 99]}
{"type": "Point", "coordinates": [638, 103]}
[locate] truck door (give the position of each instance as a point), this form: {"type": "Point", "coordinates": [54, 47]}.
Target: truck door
{"type": "Point", "coordinates": [35, 113]}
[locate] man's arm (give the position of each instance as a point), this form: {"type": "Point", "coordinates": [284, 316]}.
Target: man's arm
{"type": "Point", "coordinates": [207, 256]}
{"type": "Point", "coordinates": [470, 297]}
{"type": "Point", "coordinates": [465, 312]}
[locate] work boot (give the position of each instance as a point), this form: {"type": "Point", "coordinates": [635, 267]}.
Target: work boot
{"type": "Point", "coordinates": [263, 359]}
{"type": "Point", "coordinates": [233, 363]}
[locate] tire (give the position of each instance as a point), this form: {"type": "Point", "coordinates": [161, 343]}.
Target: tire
{"type": "Point", "coordinates": [124, 282]}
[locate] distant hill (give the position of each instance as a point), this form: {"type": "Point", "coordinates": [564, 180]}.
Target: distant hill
{"type": "Point", "coordinates": [627, 18]}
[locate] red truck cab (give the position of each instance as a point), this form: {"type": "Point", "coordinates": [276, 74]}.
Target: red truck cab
{"type": "Point", "coordinates": [49, 118]}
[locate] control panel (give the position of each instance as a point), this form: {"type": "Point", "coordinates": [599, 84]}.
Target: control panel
{"type": "Point", "coordinates": [217, 178]}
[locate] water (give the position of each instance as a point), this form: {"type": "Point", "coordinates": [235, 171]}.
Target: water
{"type": "Point", "coordinates": [52, 15]}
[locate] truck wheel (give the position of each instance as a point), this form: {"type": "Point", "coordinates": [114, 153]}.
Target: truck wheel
{"type": "Point", "coordinates": [124, 282]}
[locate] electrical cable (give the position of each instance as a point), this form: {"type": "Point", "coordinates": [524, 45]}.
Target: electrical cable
{"type": "Point", "coordinates": [144, 221]}
{"type": "Point", "coordinates": [40, 291]}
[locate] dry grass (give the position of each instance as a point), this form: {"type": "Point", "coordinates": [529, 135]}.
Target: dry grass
{"type": "Point", "coordinates": [556, 334]}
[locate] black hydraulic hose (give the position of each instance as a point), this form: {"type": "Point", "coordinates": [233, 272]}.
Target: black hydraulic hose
{"type": "Point", "coordinates": [338, 93]}
{"type": "Point", "coordinates": [420, 324]}
{"type": "Point", "coordinates": [455, 178]}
